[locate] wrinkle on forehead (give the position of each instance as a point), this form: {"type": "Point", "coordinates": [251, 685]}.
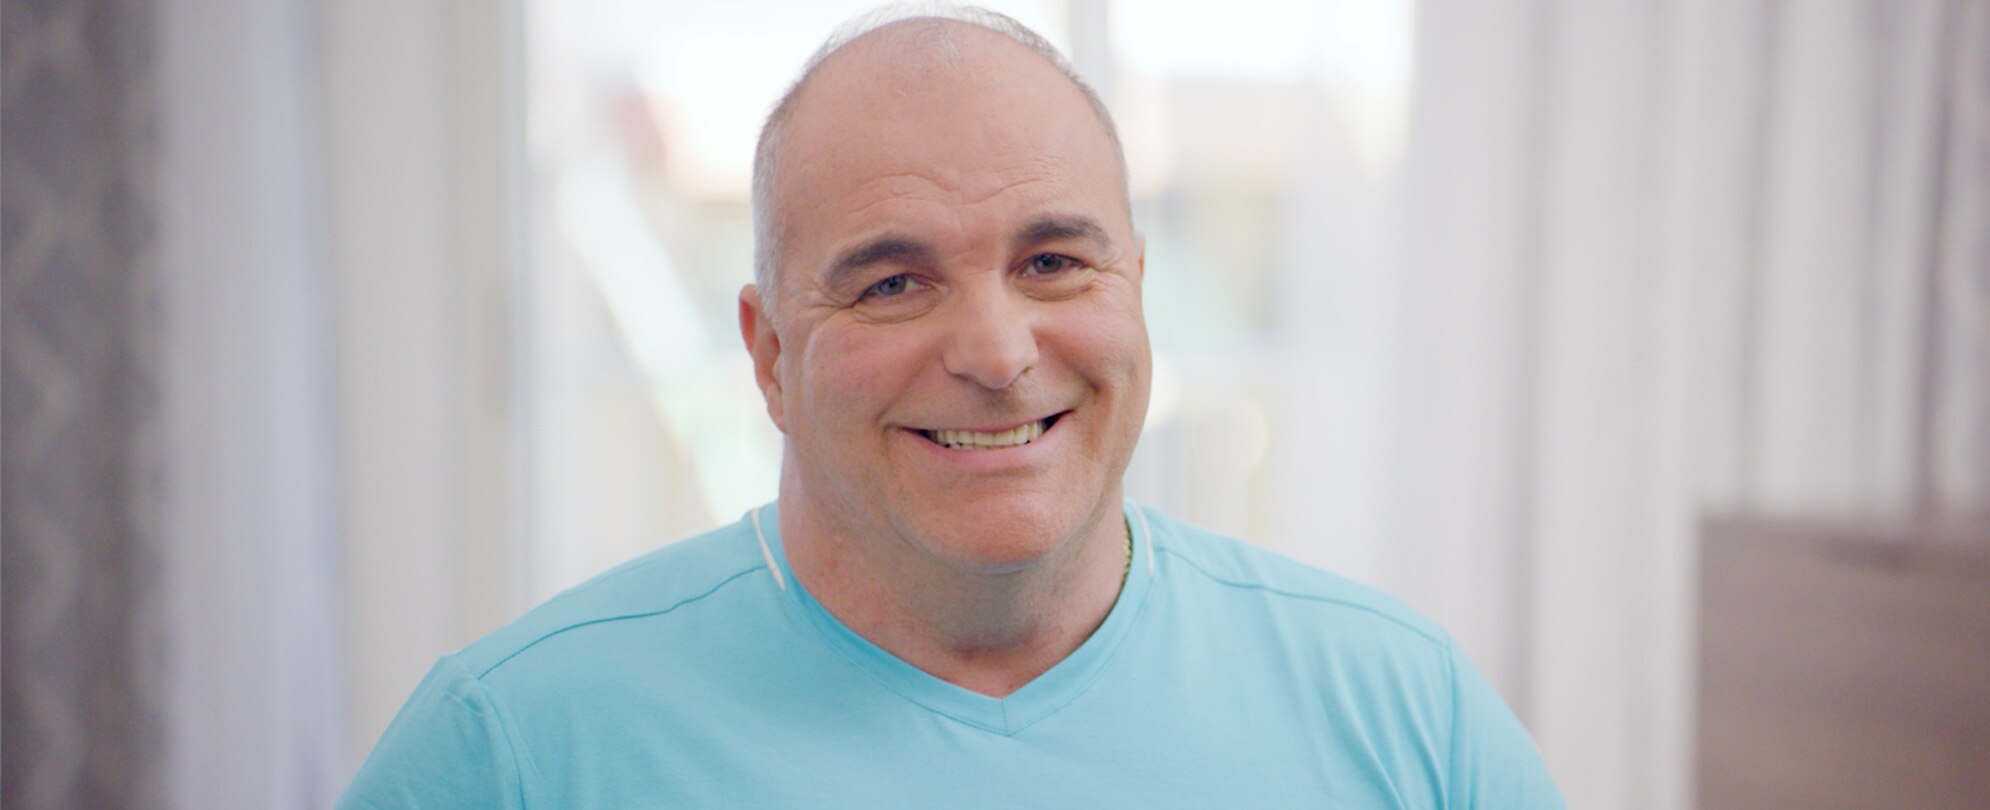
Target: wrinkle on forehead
{"type": "Point", "coordinates": [951, 186]}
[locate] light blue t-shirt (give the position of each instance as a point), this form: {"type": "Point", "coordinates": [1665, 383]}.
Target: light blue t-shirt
{"type": "Point", "coordinates": [704, 675]}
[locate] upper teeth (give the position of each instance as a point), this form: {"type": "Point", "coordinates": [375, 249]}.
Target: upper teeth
{"type": "Point", "coordinates": [971, 440]}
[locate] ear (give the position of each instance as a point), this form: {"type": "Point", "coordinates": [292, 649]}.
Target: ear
{"type": "Point", "coordinates": [765, 346]}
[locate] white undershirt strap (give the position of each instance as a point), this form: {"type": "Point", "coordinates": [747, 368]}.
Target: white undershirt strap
{"type": "Point", "coordinates": [767, 552]}
{"type": "Point", "coordinates": [1146, 532]}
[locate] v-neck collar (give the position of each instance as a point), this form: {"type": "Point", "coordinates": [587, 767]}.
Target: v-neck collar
{"type": "Point", "coordinates": [1040, 698]}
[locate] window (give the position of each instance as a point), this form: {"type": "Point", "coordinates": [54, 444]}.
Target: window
{"type": "Point", "coordinates": [1261, 143]}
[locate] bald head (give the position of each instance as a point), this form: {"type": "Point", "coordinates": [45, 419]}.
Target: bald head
{"type": "Point", "coordinates": [897, 52]}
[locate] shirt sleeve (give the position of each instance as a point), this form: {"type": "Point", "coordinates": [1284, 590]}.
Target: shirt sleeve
{"type": "Point", "coordinates": [1494, 763]}
{"type": "Point", "coordinates": [447, 748]}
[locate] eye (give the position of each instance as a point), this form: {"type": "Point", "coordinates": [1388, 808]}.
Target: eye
{"type": "Point", "coordinates": [894, 286]}
{"type": "Point", "coordinates": [1049, 264]}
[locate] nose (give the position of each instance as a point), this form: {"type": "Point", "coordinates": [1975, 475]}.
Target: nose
{"type": "Point", "coordinates": [993, 338]}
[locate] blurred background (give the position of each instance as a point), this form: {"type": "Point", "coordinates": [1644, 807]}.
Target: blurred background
{"type": "Point", "coordinates": [1645, 345]}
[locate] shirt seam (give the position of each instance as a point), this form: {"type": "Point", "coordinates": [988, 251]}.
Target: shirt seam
{"type": "Point", "coordinates": [1309, 597]}
{"type": "Point", "coordinates": [1450, 776]}
{"type": "Point", "coordinates": [520, 760]}
{"type": "Point", "coordinates": [479, 675]}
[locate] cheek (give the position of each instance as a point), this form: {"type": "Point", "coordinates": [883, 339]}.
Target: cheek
{"type": "Point", "coordinates": [1110, 344]}
{"type": "Point", "coordinates": [855, 370]}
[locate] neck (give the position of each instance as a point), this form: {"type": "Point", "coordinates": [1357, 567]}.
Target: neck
{"type": "Point", "coordinates": [988, 632]}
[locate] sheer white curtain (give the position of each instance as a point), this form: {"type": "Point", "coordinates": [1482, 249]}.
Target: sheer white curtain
{"type": "Point", "coordinates": [1660, 261]}
{"type": "Point", "coordinates": [337, 190]}
{"type": "Point", "coordinates": [251, 649]}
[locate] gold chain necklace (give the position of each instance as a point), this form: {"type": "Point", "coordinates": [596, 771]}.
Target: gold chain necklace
{"type": "Point", "coordinates": [1128, 570]}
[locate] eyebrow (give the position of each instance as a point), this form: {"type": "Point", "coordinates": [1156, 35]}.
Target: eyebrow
{"type": "Point", "coordinates": [881, 249]}
{"type": "Point", "coordinates": [1053, 229]}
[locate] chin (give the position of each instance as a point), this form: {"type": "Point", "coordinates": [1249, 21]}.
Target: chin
{"type": "Point", "coordinates": [999, 540]}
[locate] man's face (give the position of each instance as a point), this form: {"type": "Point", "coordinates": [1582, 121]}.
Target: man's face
{"type": "Point", "coordinates": [958, 357]}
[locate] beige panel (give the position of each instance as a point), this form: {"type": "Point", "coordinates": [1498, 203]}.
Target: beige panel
{"type": "Point", "coordinates": [1845, 667]}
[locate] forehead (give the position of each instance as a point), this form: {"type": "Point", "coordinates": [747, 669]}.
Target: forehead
{"type": "Point", "coordinates": [956, 117]}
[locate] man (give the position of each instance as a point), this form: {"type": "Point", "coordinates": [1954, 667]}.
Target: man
{"type": "Point", "coordinates": [950, 604]}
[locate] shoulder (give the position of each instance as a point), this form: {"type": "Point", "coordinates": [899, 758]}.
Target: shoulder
{"type": "Point", "coordinates": [667, 581]}
{"type": "Point", "coordinates": [481, 725]}
{"type": "Point", "coordinates": [1231, 568]}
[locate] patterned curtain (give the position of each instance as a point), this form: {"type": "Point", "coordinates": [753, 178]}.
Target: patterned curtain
{"type": "Point", "coordinates": [80, 574]}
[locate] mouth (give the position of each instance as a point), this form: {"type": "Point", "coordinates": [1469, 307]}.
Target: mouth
{"type": "Point", "coordinates": [976, 440]}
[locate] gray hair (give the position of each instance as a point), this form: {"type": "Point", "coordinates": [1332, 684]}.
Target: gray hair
{"type": "Point", "coordinates": [768, 225]}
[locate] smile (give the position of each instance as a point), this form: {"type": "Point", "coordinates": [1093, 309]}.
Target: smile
{"type": "Point", "coordinates": [975, 440]}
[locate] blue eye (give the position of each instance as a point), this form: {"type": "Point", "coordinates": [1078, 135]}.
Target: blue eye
{"type": "Point", "coordinates": [896, 285]}
{"type": "Point", "coordinates": [1046, 264]}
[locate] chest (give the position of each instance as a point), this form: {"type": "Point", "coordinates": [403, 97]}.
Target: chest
{"type": "Point", "coordinates": [1163, 738]}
